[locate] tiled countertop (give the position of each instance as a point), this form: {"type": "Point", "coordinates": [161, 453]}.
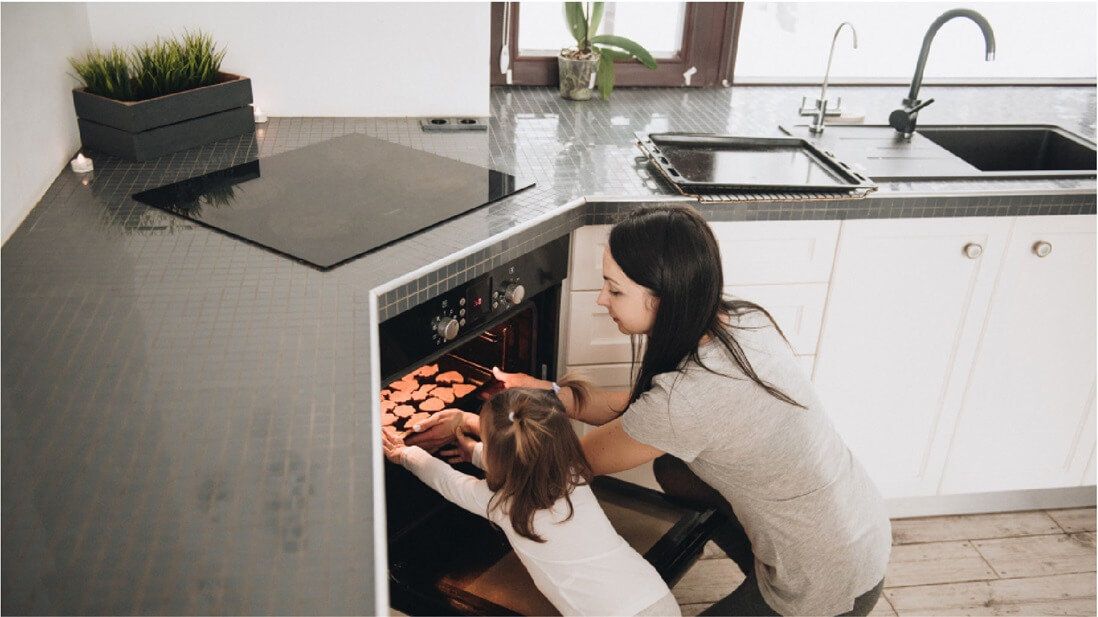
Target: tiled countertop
{"type": "Point", "coordinates": [187, 418]}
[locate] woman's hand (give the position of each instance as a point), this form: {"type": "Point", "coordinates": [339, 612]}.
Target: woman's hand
{"type": "Point", "coordinates": [437, 430]}
{"type": "Point", "coordinates": [520, 380]}
{"type": "Point", "coordinates": [462, 451]}
{"type": "Point", "coordinates": [393, 446]}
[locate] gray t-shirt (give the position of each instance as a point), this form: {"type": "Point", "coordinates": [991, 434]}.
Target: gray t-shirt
{"type": "Point", "coordinates": [817, 524]}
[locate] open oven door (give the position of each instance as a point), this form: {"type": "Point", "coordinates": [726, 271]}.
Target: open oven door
{"type": "Point", "coordinates": [461, 565]}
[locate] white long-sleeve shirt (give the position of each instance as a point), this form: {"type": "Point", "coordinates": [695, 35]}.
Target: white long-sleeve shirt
{"type": "Point", "coordinates": [584, 567]}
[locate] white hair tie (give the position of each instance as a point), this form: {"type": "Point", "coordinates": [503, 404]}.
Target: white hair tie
{"type": "Point", "coordinates": [511, 416]}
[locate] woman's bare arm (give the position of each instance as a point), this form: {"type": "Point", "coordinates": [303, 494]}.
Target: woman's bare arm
{"type": "Point", "coordinates": [610, 449]}
{"type": "Point", "coordinates": [601, 406]}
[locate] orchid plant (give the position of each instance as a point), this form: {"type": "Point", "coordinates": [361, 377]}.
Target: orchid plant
{"type": "Point", "coordinates": [583, 20]}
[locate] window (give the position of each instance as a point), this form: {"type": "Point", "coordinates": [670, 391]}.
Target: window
{"type": "Point", "coordinates": [682, 36]}
{"type": "Point", "coordinates": [788, 42]}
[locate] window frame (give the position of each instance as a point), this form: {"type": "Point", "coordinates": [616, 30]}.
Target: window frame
{"type": "Point", "coordinates": [711, 33]}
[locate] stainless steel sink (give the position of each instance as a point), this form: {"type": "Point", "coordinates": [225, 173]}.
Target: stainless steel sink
{"type": "Point", "coordinates": [1009, 148]}
{"type": "Point", "coordinates": [946, 152]}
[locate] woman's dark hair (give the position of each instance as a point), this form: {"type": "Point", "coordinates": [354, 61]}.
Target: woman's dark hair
{"type": "Point", "coordinates": [671, 251]}
{"type": "Point", "coordinates": [532, 456]}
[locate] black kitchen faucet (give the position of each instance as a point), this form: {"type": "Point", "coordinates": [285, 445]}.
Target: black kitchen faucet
{"type": "Point", "coordinates": [903, 119]}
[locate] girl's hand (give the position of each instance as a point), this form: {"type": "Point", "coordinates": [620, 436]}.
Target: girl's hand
{"type": "Point", "coordinates": [520, 380]}
{"type": "Point", "coordinates": [437, 430]}
{"type": "Point", "coordinates": [393, 447]}
{"type": "Point", "coordinates": [462, 452]}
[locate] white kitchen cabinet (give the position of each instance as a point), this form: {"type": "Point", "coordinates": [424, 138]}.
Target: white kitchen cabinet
{"type": "Point", "coordinates": [752, 252]}
{"type": "Point", "coordinates": [776, 252]}
{"type": "Point", "coordinates": [783, 266]}
{"type": "Point", "coordinates": [797, 309]}
{"type": "Point", "coordinates": [903, 313]}
{"type": "Point", "coordinates": [609, 376]}
{"type": "Point", "coordinates": [593, 337]}
{"type": "Point", "coordinates": [1089, 475]}
{"type": "Point", "coordinates": [588, 244]}
{"type": "Point", "coordinates": [1028, 415]}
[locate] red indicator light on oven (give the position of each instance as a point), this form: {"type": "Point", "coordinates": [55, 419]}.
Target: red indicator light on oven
{"type": "Point", "coordinates": [477, 302]}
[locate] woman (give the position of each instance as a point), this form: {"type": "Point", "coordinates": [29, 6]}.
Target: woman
{"type": "Point", "coordinates": [727, 414]}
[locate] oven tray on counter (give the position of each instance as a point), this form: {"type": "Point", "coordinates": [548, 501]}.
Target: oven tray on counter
{"type": "Point", "coordinates": [710, 163]}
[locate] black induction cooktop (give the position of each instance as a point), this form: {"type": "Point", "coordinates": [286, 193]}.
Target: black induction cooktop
{"type": "Point", "coordinates": [333, 201]}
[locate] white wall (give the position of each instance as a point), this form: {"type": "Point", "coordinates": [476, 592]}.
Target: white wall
{"type": "Point", "coordinates": [37, 125]}
{"type": "Point", "coordinates": [331, 59]}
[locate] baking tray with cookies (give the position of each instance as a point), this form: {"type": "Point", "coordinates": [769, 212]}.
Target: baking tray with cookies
{"type": "Point", "coordinates": [449, 382]}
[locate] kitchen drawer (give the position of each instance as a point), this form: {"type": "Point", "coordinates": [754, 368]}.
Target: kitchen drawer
{"type": "Point", "coordinates": [588, 244]}
{"type": "Point", "coordinates": [798, 310]}
{"type": "Point", "coordinates": [608, 376]}
{"type": "Point", "coordinates": [771, 252]}
{"type": "Point", "coordinates": [593, 337]}
{"type": "Point", "coordinates": [752, 252]}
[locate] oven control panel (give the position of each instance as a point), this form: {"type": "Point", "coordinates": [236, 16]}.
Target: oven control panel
{"type": "Point", "coordinates": [424, 330]}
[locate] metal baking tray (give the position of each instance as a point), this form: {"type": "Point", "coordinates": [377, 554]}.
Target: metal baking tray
{"type": "Point", "coordinates": [707, 162]}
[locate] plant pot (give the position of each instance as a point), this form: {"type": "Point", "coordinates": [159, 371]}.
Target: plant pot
{"type": "Point", "coordinates": [141, 130]}
{"type": "Point", "coordinates": [577, 77]}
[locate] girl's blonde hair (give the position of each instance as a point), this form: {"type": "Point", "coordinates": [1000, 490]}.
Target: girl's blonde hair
{"type": "Point", "coordinates": [532, 457]}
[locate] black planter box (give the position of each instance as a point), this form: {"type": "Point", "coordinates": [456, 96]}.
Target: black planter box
{"type": "Point", "coordinates": [141, 130]}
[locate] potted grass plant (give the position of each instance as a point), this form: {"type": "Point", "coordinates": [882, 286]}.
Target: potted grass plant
{"type": "Point", "coordinates": [159, 98]}
{"type": "Point", "coordinates": [591, 61]}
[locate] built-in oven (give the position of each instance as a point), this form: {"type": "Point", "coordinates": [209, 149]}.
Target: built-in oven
{"type": "Point", "coordinates": [439, 354]}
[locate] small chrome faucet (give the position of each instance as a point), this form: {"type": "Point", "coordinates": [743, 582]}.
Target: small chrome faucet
{"type": "Point", "coordinates": [903, 119]}
{"type": "Point", "coordinates": [819, 112]}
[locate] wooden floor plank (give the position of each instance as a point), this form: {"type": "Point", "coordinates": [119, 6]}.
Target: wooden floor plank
{"type": "Point", "coordinates": [1039, 555]}
{"type": "Point", "coordinates": [883, 608]}
{"type": "Point", "coordinates": [690, 610]}
{"type": "Point", "coordinates": [712, 551]}
{"type": "Point", "coordinates": [1075, 520]}
{"type": "Point", "coordinates": [707, 581]}
{"type": "Point", "coordinates": [1065, 594]}
{"type": "Point", "coordinates": [972, 527]}
{"type": "Point", "coordinates": [936, 562]}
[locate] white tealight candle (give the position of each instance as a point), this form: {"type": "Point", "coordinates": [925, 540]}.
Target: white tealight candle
{"type": "Point", "coordinates": [81, 164]}
{"type": "Point", "coordinates": [260, 117]}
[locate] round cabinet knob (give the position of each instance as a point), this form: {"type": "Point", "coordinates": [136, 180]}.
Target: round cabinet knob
{"type": "Point", "coordinates": [1042, 248]}
{"type": "Point", "coordinates": [973, 250]}
{"type": "Point", "coordinates": [514, 293]}
{"type": "Point", "coordinates": [447, 328]}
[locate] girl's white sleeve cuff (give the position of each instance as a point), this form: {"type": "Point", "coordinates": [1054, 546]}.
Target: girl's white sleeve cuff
{"type": "Point", "coordinates": [478, 454]}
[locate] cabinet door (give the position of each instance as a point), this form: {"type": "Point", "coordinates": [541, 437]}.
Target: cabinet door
{"type": "Point", "coordinates": [1028, 415]}
{"type": "Point", "coordinates": [897, 337]}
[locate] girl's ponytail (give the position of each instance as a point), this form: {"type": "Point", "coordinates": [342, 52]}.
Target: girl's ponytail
{"type": "Point", "coordinates": [532, 455]}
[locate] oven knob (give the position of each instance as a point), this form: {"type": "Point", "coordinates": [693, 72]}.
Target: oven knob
{"type": "Point", "coordinates": [447, 328]}
{"type": "Point", "coordinates": [513, 293]}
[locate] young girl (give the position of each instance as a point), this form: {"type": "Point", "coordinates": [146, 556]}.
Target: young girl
{"type": "Point", "coordinates": [536, 488]}
{"type": "Point", "coordinates": [728, 417]}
